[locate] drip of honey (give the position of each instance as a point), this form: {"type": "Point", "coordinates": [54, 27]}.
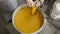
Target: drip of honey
{"type": "Point", "coordinates": [33, 9]}
{"type": "Point", "coordinates": [26, 22]}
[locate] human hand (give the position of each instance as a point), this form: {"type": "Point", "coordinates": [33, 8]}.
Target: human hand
{"type": "Point", "coordinates": [31, 3]}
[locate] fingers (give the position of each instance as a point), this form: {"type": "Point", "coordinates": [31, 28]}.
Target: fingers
{"type": "Point", "coordinates": [30, 3]}
{"type": "Point", "coordinates": [41, 1]}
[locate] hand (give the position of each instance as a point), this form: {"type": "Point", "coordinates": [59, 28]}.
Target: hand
{"type": "Point", "coordinates": [31, 3]}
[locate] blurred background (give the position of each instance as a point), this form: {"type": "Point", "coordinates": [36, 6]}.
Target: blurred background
{"type": "Point", "coordinates": [7, 8]}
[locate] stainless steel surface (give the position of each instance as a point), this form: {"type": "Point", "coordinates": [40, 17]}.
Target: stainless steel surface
{"type": "Point", "coordinates": [8, 5]}
{"type": "Point", "coordinates": [55, 15]}
{"type": "Point", "coordinates": [3, 29]}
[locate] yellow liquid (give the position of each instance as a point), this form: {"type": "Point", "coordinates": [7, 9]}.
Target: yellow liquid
{"type": "Point", "coordinates": [34, 9]}
{"type": "Point", "coordinates": [26, 22]}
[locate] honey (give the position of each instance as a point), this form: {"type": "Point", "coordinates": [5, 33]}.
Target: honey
{"type": "Point", "coordinates": [26, 22]}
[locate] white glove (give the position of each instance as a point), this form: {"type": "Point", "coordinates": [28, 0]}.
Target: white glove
{"type": "Point", "coordinates": [31, 3]}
